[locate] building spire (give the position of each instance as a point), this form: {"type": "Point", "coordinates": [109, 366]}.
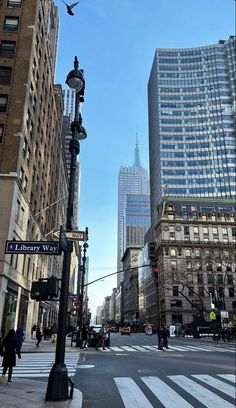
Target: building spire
{"type": "Point", "coordinates": [137, 162]}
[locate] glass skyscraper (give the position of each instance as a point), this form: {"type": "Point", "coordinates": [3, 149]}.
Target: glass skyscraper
{"type": "Point", "coordinates": [132, 180]}
{"type": "Point", "coordinates": [191, 105]}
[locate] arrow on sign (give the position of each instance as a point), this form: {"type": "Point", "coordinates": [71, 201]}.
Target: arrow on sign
{"type": "Point", "coordinates": [71, 235]}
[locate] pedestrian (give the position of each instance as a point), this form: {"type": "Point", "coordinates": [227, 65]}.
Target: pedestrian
{"type": "Point", "coordinates": [84, 336]}
{"type": "Point", "coordinates": [38, 335]}
{"type": "Point", "coordinates": [8, 350]}
{"type": "Point", "coordinates": [20, 336]}
{"type": "Point", "coordinates": [160, 337]}
{"type": "Point", "coordinates": [54, 333]}
{"type": "Point", "coordinates": [101, 338]}
{"type": "Point", "coordinates": [165, 335]}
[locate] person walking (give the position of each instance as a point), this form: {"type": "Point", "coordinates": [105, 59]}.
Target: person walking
{"type": "Point", "coordinates": [38, 335]}
{"type": "Point", "coordinates": [20, 336]}
{"type": "Point", "coordinates": [8, 350]}
{"type": "Point", "coordinates": [101, 338]}
{"type": "Point", "coordinates": [54, 333]}
{"type": "Point", "coordinates": [84, 336]}
{"type": "Point", "coordinates": [165, 335]}
{"type": "Point", "coordinates": [160, 337]}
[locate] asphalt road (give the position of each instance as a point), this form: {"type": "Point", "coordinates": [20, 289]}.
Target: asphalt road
{"type": "Point", "coordinates": [133, 373]}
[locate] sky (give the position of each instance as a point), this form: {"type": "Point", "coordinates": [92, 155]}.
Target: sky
{"type": "Point", "coordinates": [115, 42]}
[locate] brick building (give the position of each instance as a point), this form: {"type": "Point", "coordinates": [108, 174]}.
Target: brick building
{"type": "Point", "coordinates": [32, 163]}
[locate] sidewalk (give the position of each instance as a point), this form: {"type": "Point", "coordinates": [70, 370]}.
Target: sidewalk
{"type": "Point", "coordinates": [22, 393]}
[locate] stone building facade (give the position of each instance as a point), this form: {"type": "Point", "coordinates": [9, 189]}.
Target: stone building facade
{"type": "Point", "coordinates": [196, 260]}
{"type": "Point", "coordinates": [33, 176]}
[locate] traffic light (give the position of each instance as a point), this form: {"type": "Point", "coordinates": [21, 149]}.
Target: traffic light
{"type": "Point", "coordinates": [152, 253]}
{"type": "Point", "coordinates": [45, 289]}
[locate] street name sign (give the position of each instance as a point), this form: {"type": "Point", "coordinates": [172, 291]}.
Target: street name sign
{"type": "Point", "coordinates": [33, 247]}
{"type": "Point", "coordinates": [71, 235]}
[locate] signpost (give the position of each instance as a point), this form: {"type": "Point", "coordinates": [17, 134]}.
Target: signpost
{"type": "Point", "coordinates": [33, 247]}
{"type": "Point", "coordinates": [71, 235]}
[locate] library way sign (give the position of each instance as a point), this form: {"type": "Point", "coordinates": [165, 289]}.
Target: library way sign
{"type": "Point", "coordinates": [33, 247]}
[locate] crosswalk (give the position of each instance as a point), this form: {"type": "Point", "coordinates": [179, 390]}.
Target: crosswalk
{"type": "Point", "coordinates": [179, 391]}
{"type": "Point", "coordinates": [171, 348]}
{"type": "Point", "coordinates": [34, 365]}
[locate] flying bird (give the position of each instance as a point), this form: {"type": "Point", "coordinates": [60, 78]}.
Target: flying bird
{"type": "Point", "coordinates": [69, 8]}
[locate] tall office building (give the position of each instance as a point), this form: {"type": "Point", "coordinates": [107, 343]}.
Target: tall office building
{"type": "Point", "coordinates": [191, 104]}
{"type": "Point", "coordinates": [33, 177]}
{"type": "Point", "coordinates": [69, 103]}
{"type": "Point", "coordinates": [137, 218]}
{"type": "Point", "coordinates": [132, 180]}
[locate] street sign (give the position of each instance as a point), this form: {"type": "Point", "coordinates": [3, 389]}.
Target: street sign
{"type": "Point", "coordinates": [212, 315]}
{"type": "Point", "coordinates": [71, 235]}
{"type": "Point", "coordinates": [32, 247]}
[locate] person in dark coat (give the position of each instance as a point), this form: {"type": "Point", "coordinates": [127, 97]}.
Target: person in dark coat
{"type": "Point", "coordinates": [84, 336]}
{"type": "Point", "coordinates": [20, 335]}
{"type": "Point", "coordinates": [8, 350]}
{"type": "Point", "coordinates": [165, 335]}
{"type": "Point", "coordinates": [160, 337]}
{"type": "Point", "coordinates": [38, 335]}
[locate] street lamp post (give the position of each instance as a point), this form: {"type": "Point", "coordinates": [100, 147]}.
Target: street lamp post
{"type": "Point", "coordinates": [83, 270]}
{"type": "Point", "coordinates": [57, 389]}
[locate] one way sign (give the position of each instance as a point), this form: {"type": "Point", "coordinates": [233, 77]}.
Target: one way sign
{"type": "Point", "coordinates": [71, 235]}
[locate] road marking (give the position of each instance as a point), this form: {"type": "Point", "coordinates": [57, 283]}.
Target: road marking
{"type": "Point", "coordinates": [141, 349]}
{"type": "Point", "coordinates": [115, 348]}
{"type": "Point", "coordinates": [151, 348]}
{"type": "Point", "coordinates": [218, 384]}
{"type": "Point", "coordinates": [85, 366]}
{"type": "Point", "coordinates": [131, 394]}
{"type": "Point", "coordinates": [168, 397]}
{"type": "Point", "coordinates": [229, 377]}
{"type": "Point", "coordinates": [127, 348]}
{"type": "Point", "coordinates": [206, 397]}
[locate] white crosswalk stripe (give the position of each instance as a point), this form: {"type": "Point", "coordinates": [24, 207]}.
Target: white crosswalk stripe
{"type": "Point", "coordinates": [171, 348]}
{"type": "Point", "coordinates": [33, 365]}
{"type": "Point", "coordinates": [134, 397]}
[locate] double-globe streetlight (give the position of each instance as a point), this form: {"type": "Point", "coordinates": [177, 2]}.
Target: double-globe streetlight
{"type": "Point", "coordinates": [58, 387]}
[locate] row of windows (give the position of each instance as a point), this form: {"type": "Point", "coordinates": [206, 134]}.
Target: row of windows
{"type": "Point", "coordinates": [192, 74]}
{"type": "Point", "coordinates": [214, 136]}
{"type": "Point", "coordinates": [190, 182]}
{"type": "Point", "coordinates": [206, 145]}
{"type": "Point", "coordinates": [191, 154]}
{"type": "Point", "coordinates": [205, 52]}
{"type": "Point", "coordinates": [195, 128]}
{"type": "Point", "coordinates": [207, 163]}
{"type": "Point", "coordinates": [13, 3]}
{"type": "Point", "coordinates": [204, 190]}
{"type": "Point", "coordinates": [205, 292]}
{"type": "Point", "coordinates": [195, 106]}
{"type": "Point", "coordinates": [197, 172]}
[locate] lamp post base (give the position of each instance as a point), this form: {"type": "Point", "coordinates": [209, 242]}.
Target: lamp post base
{"type": "Point", "coordinates": [57, 389]}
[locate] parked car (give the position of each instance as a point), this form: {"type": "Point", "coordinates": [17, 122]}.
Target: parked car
{"type": "Point", "coordinates": [94, 334]}
{"type": "Point", "coordinates": [125, 330]}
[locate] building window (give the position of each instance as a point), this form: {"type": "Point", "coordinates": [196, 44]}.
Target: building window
{"type": "Point", "coordinates": [5, 75]}
{"type": "Point", "coordinates": [189, 265]}
{"type": "Point", "coordinates": [7, 49]}
{"type": "Point", "coordinates": [14, 3]}
{"type": "Point", "coordinates": [188, 253]}
{"type": "Point", "coordinates": [173, 265]}
{"type": "Point", "coordinates": [1, 132]}
{"type": "Point", "coordinates": [209, 279]}
{"type": "Point", "coordinates": [200, 278]}
{"type": "Point", "coordinates": [11, 24]}
{"type": "Point", "coordinates": [197, 253]}
{"type": "Point", "coordinates": [175, 290]}
{"type": "Point", "coordinates": [201, 291]}
{"type": "Point", "coordinates": [231, 292]}
{"type": "Point", "coordinates": [173, 252]}
{"type": "Point", "coordinates": [3, 103]}
{"type": "Point", "coordinates": [230, 279]}
{"type": "Point", "coordinates": [190, 291]}
{"type": "Point", "coordinates": [220, 279]}
{"type": "Point", "coordinates": [186, 230]}
{"type": "Point", "coordinates": [189, 278]}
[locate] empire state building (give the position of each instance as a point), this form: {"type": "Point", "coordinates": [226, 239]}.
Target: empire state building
{"type": "Point", "coordinates": [132, 180]}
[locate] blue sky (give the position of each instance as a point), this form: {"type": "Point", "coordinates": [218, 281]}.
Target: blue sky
{"type": "Point", "coordinates": [115, 41]}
